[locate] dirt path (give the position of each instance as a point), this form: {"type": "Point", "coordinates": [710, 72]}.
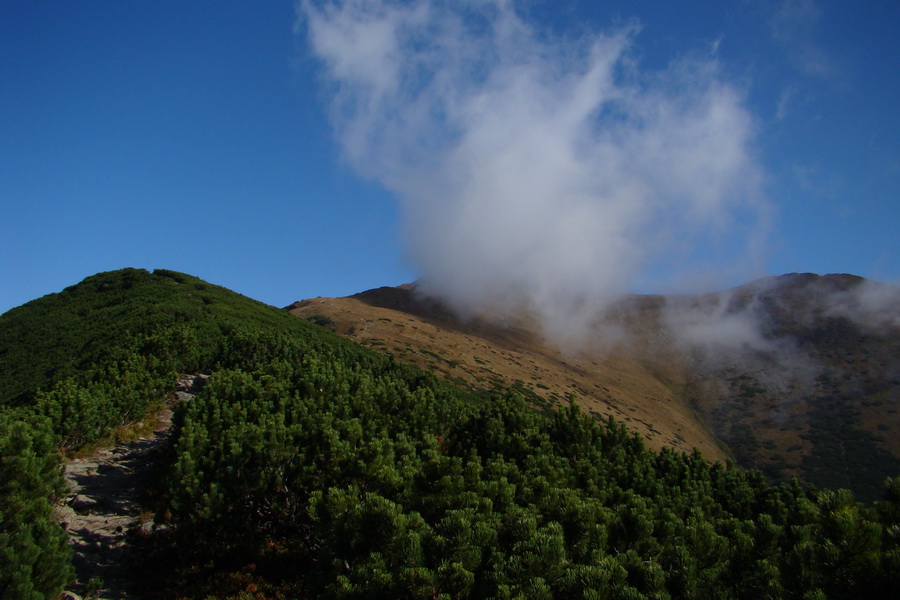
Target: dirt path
{"type": "Point", "coordinates": [102, 513]}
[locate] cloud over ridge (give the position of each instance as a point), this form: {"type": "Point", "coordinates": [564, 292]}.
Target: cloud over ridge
{"type": "Point", "coordinates": [552, 174]}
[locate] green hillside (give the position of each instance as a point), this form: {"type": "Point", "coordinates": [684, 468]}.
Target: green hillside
{"type": "Point", "coordinates": [174, 316]}
{"type": "Point", "coordinates": [309, 467]}
{"type": "Point", "coordinates": [78, 364]}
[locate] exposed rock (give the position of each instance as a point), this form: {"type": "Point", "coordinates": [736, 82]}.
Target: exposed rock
{"type": "Point", "coordinates": [83, 504]}
{"type": "Point", "coordinates": [102, 514]}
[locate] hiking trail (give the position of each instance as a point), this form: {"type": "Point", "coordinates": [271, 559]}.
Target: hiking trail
{"type": "Point", "coordinates": [103, 513]}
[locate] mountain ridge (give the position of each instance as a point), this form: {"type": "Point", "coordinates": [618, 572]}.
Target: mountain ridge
{"type": "Point", "coordinates": [494, 356]}
{"type": "Point", "coordinates": [727, 372]}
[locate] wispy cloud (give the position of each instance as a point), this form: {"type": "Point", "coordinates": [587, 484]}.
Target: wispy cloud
{"type": "Point", "coordinates": [547, 173]}
{"type": "Point", "coordinates": [795, 26]}
{"type": "Point", "coordinates": [785, 103]}
{"type": "Point", "coordinates": [775, 328]}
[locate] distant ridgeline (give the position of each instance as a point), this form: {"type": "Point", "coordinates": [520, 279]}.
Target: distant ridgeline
{"type": "Point", "coordinates": [311, 467]}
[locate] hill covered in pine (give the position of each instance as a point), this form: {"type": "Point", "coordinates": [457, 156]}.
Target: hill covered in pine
{"type": "Point", "coordinates": [309, 466]}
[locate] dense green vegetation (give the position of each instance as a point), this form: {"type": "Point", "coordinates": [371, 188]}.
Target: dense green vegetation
{"type": "Point", "coordinates": [34, 553]}
{"type": "Point", "coordinates": [78, 364]}
{"type": "Point", "coordinates": [303, 472]}
{"type": "Point", "coordinates": [311, 467]}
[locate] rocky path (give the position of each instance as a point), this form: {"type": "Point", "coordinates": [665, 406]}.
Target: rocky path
{"type": "Point", "coordinates": [103, 511]}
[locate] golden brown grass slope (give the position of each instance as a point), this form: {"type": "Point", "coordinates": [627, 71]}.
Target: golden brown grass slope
{"type": "Point", "coordinates": [797, 375]}
{"type": "Point", "coordinates": [640, 383]}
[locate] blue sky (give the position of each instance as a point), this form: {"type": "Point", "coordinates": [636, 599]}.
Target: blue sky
{"type": "Point", "coordinates": [206, 137]}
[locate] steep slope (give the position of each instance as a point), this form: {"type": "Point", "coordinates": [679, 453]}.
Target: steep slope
{"type": "Point", "coordinates": [647, 395]}
{"type": "Point", "coordinates": [811, 387]}
{"type": "Point", "coordinates": [794, 375]}
{"type": "Point", "coordinates": [77, 365]}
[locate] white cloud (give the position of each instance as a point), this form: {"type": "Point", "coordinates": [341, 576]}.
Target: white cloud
{"type": "Point", "coordinates": [552, 173]}
{"type": "Point", "coordinates": [871, 305]}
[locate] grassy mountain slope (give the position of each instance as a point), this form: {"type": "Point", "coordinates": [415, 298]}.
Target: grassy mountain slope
{"type": "Point", "coordinates": [817, 392]}
{"type": "Point", "coordinates": [493, 356]}
{"type": "Point", "coordinates": [795, 375]}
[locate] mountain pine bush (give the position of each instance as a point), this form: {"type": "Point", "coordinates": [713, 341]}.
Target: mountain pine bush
{"type": "Point", "coordinates": [34, 550]}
